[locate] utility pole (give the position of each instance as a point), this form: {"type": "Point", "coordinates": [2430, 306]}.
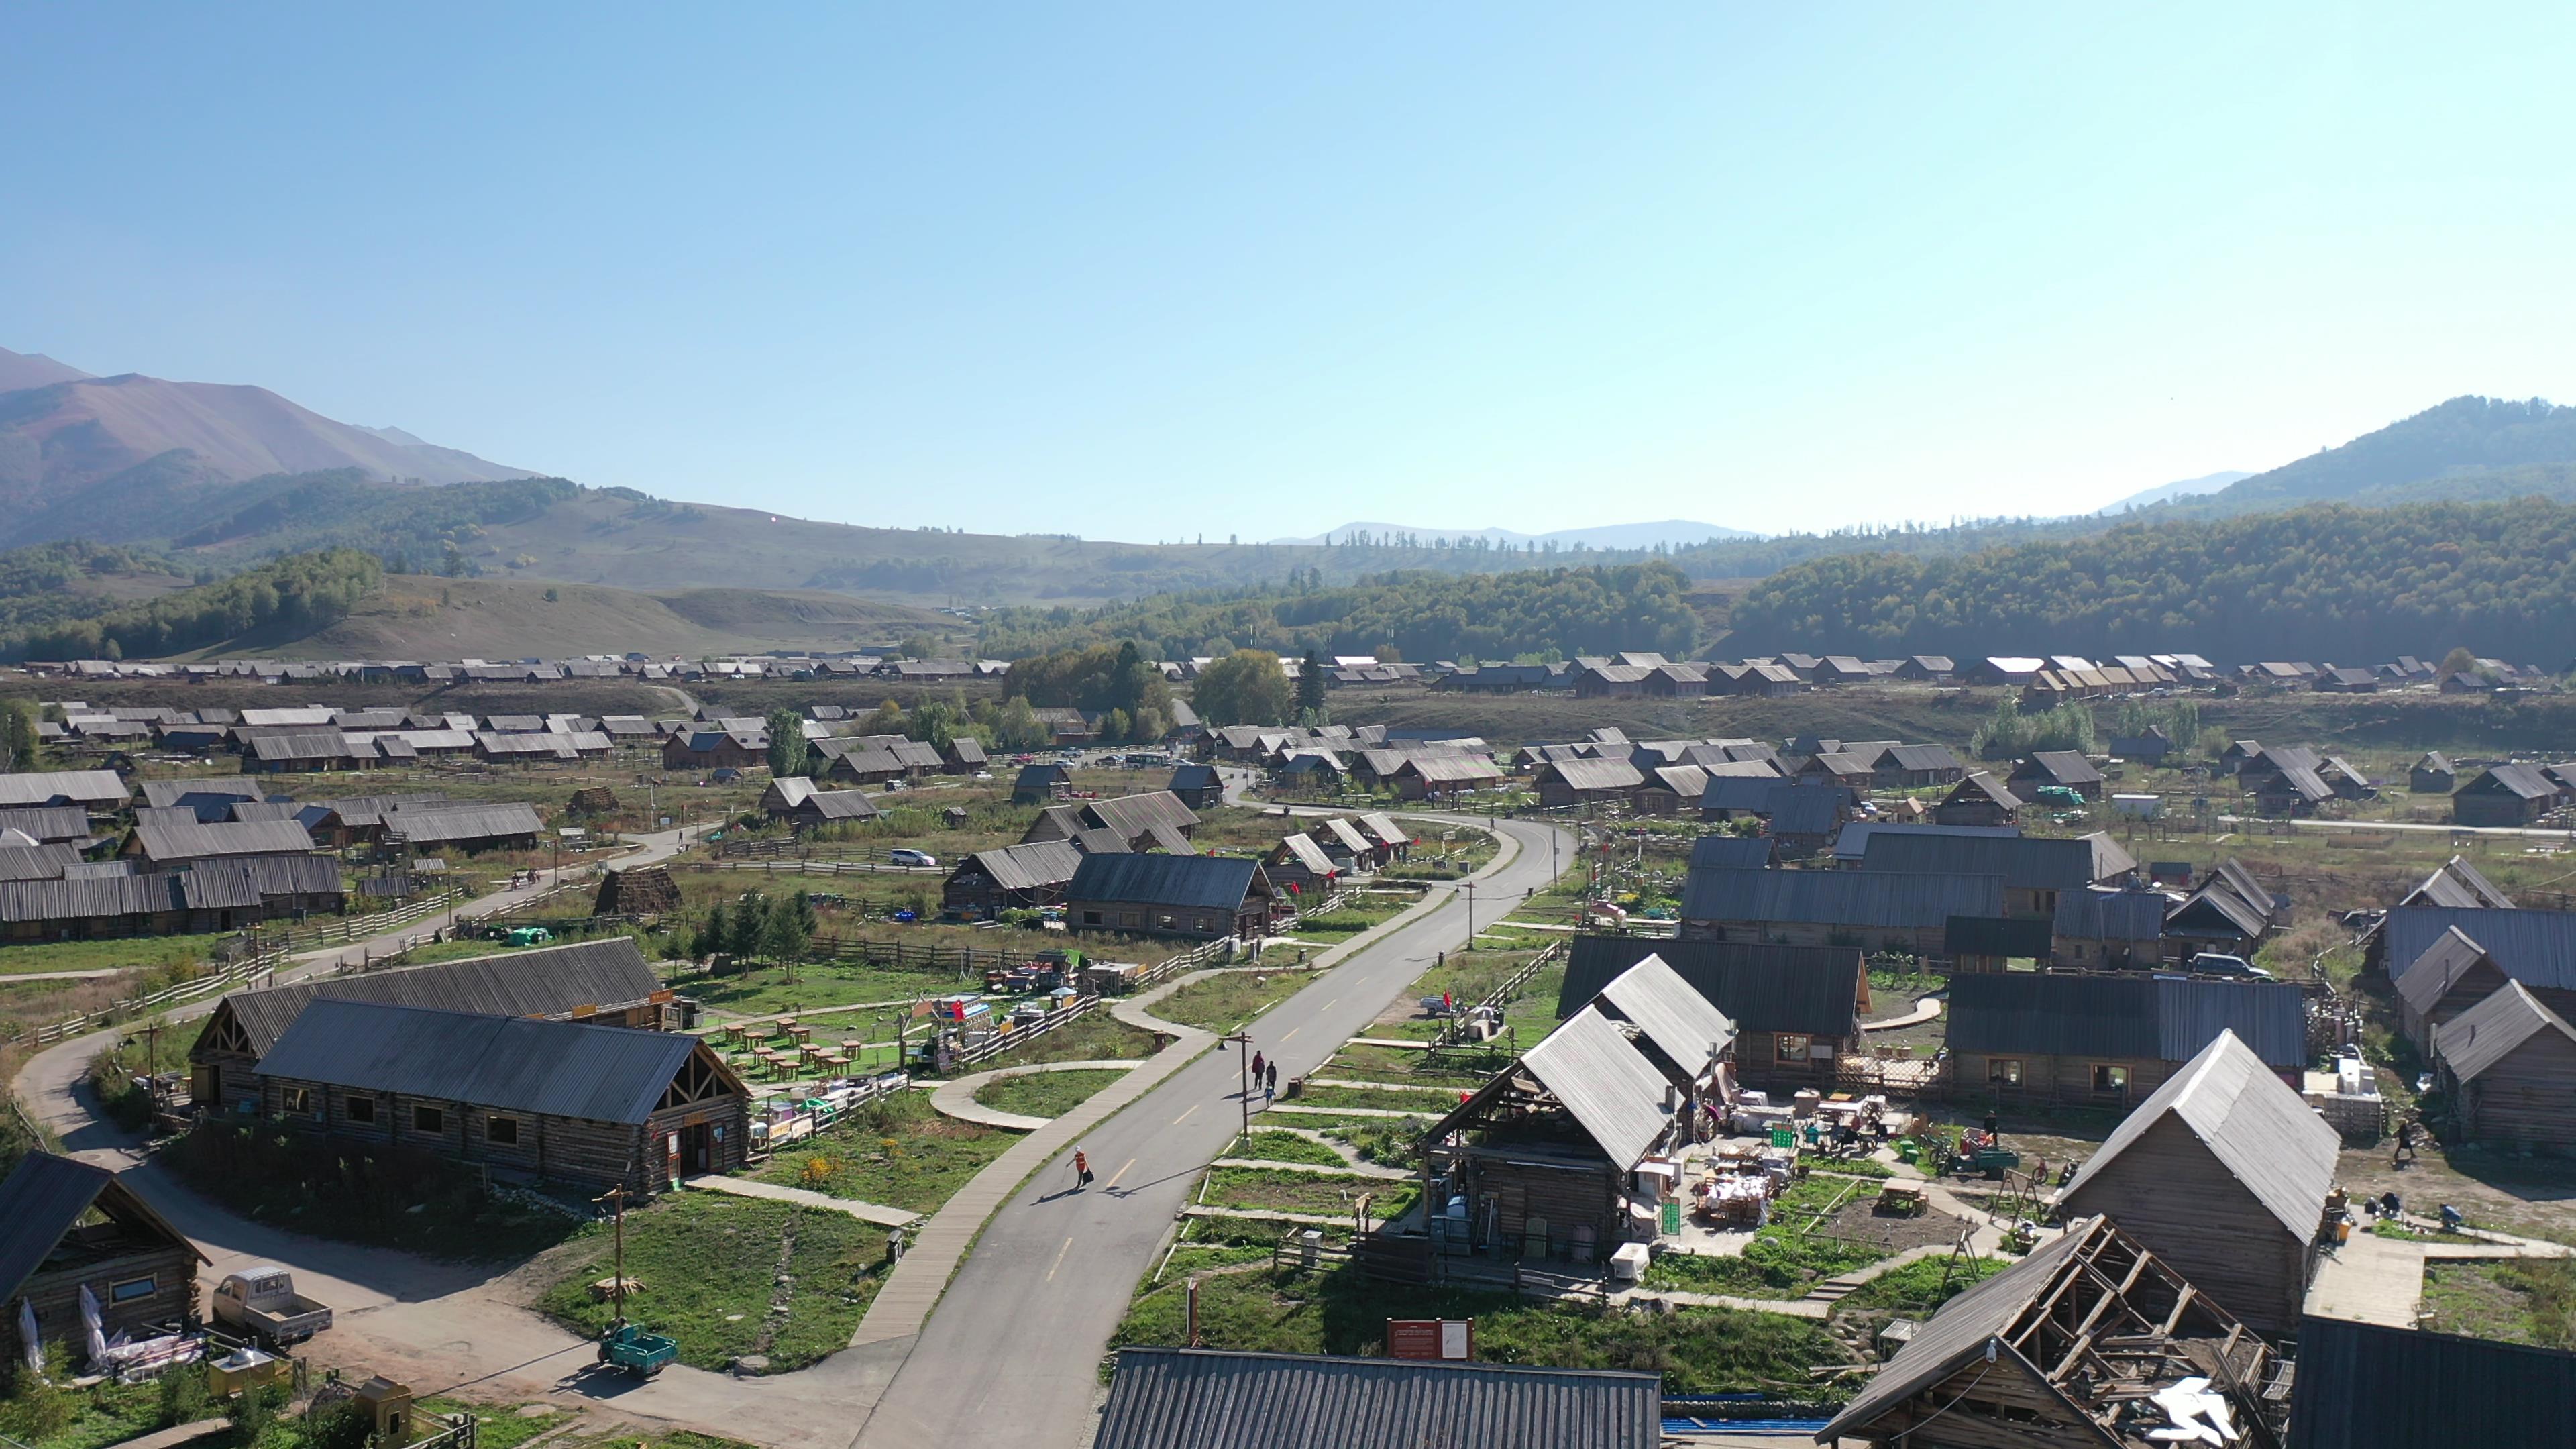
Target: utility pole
{"type": "Point", "coordinates": [1471, 913]}
{"type": "Point", "coordinates": [615, 1197]}
{"type": "Point", "coordinates": [1243, 1071]}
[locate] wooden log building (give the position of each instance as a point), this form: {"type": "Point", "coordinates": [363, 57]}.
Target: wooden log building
{"type": "Point", "coordinates": [606, 981]}
{"type": "Point", "coordinates": [2223, 1173]}
{"type": "Point", "coordinates": [1796, 1009]}
{"type": "Point", "coordinates": [568, 1101]}
{"type": "Point", "coordinates": [73, 1226]}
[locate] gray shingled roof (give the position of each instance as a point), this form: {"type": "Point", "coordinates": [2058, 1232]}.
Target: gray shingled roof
{"type": "Point", "coordinates": [1670, 1013]}
{"type": "Point", "coordinates": [2266, 1137]}
{"type": "Point", "coordinates": [1037, 865]}
{"type": "Point", "coordinates": [1137, 815]}
{"type": "Point", "coordinates": [512, 1063]}
{"type": "Point", "coordinates": [65, 787]}
{"type": "Point", "coordinates": [2099, 915]}
{"type": "Point", "coordinates": [1180, 1398]}
{"type": "Point", "coordinates": [450, 821]}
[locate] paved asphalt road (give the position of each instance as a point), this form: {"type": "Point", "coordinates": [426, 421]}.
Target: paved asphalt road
{"type": "Point", "coordinates": [1010, 1356]}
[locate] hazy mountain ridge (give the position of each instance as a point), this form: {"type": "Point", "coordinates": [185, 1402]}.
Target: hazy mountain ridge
{"type": "Point", "coordinates": [1672, 531]}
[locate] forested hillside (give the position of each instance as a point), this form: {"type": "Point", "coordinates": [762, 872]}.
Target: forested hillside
{"type": "Point", "coordinates": [2323, 582]}
{"type": "Point", "coordinates": [2468, 447]}
{"type": "Point", "coordinates": [1590, 610]}
{"type": "Point", "coordinates": [301, 591]}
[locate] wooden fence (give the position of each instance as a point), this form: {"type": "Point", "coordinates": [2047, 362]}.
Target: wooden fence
{"type": "Point", "coordinates": [240, 973]}
{"type": "Point", "coordinates": [1019, 1035]}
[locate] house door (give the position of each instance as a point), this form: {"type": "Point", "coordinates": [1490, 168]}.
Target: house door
{"type": "Point", "coordinates": [698, 1147]}
{"type": "Point", "coordinates": [205, 1086]}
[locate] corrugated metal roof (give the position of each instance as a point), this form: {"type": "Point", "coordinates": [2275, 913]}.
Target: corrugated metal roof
{"type": "Point", "coordinates": [2099, 915]}
{"type": "Point", "coordinates": [1037, 865]}
{"type": "Point", "coordinates": [45, 1196]}
{"type": "Point", "coordinates": [1385, 829]}
{"type": "Point", "coordinates": [551, 980]}
{"type": "Point", "coordinates": [47, 824]}
{"type": "Point", "coordinates": [65, 787]}
{"type": "Point", "coordinates": [1183, 881]}
{"type": "Point", "coordinates": [178, 792]}
{"type": "Point", "coordinates": [2536, 948]}
{"type": "Point", "coordinates": [2443, 963]}
{"type": "Point", "coordinates": [1136, 815]}
{"type": "Point", "coordinates": [463, 821]}
{"type": "Point", "coordinates": [1178, 1398]}
{"type": "Point", "coordinates": [1598, 1075]}
{"type": "Point", "coordinates": [2026, 862]}
{"type": "Point", "coordinates": [514, 1063]}
{"type": "Point", "coordinates": [35, 862]}
{"type": "Point", "coordinates": [2525, 781]}
{"type": "Point", "coordinates": [164, 840]}
{"type": "Point", "coordinates": [2485, 1034]}
{"type": "Point", "coordinates": [1852, 842]}
{"type": "Point", "coordinates": [1806, 990]}
{"type": "Point", "coordinates": [1682, 1024]}
{"type": "Point", "coordinates": [1961, 1330]}
{"type": "Point", "coordinates": [2124, 1017]}
{"type": "Point", "coordinates": [2266, 1137]}
{"type": "Point", "coordinates": [2458, 884]}
{"type": "Point", "coordinates": [1731, 852]}
{"type": "Point", "coordinates": [2064, 767]}
{"type": "Point", "coordinates": [1593, 774]}
{"type": "Point", "coordinates": [2022, 937]}
{"type": "Point", "coordinates": [1917, 757]}
{"type": "Point", "coordinates": [1302, 849]}
{"type": "Point", "coordinates": [1886, 899]}
{"type": "Point", "coordinates": [85, 897]}
{"type": "Point", "coordinates": [2367, 1386]}
{"type": "Point", "coordinates": [1348, 835]}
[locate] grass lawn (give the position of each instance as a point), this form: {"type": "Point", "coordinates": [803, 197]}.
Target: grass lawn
{"type": "Point", "coordinates": [1917, 1288]}
{"type": "Point", "coordinates": [104, 1415]}
{"type": "Point", "coordinates": [1288, 1147]}
{"type": "Point", "coordinates": [2532, 1301]}
{"type": "Point", "coordinates": [769, 992]}
{"type": "Point", "coordinates": [1304, 1192]}
{"type": "Point", "coordinates": [1698, 1350]}
{"type": "Point", "coordinates": [1388, 1099]}
{"type": "Point", "coordinates": [1384, 1141]}
{"type": "Point", "coordinates": [711, 1266]}
{"type": "Point", "coordinates": [502, 1426]}
{"type": "Point", "coordinates": [136, 953]}
{"type": "Point", "coordinates": [1097, 1037]}
{"type": "Point", "coordinates": [676, 1439]}
{"type": "Point", "coordinates": [896, 1151]}
{"type": "Point", "coordinates": [1316, 1120]}
{"type": "Point", "coordinates": [1224, 1003]}
{"type": "Point", "coordinates": [1045, 1094]}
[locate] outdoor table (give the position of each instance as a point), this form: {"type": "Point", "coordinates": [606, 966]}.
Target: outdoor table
{"type": "Point", "coordinates": [801, 1033]}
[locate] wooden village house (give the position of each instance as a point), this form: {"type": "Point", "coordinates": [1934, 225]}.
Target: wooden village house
{"type": "Point", "coordinates": [1027, 876]}
{"type": "Point", "coordinates": [606, 980]}
{"type": "Point", "coordinates": [569, 1101]}
{"type": "Point", "coordinates": [2223, 1173]}
{"type": "Point", "coordinates": [1204, 896]}
{"type": "Point", "coordinates": [1796, 1009]}
{"type": "Point", "coordinates": [2109, 1040]}
{"type": "Point", "coordinates": [75, 1227]}
{"type": "Point", "coordinates": [2507, 1068]}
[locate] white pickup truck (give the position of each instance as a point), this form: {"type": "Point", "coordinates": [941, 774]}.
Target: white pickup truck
{"type": "Point", "coordinates": [261, 1302]}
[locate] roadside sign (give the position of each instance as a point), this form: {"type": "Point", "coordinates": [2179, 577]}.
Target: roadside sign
{"type": "Point", "coordinates": [1431, 1338]}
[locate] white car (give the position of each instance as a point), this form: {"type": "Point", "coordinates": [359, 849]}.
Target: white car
{"type": "Point", "coordinates": [906, 855]}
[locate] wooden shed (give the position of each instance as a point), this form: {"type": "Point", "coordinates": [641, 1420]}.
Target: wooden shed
{"type": "Point", "coordinates": [2223, 1173]}
{"type": "Point", "coordinates": [2064, 768]}
{"type": "Point", "coordinates": [2433, 775]}
{"type": "Point", "coordinates": [563, 1100]}
{"type": "Point", "coordinates": [2508, 1066]}
{"type": "Point", "coordinates": [1171, 895]}
{"type": "Point", "coordinates": [73, 1226]}
{"type": "Point", "coordinates": [1979, 799]}
{"type": "Point", "coordinates": [2506, 795]}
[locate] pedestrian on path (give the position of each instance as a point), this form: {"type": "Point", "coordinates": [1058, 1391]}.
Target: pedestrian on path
{"type": "Point", "coordinates": [1081, 1171]}
{"type": "Point", "coordinates": [1256, 1066]}
{"type": "Point", "coordinates": [1270, 1084]}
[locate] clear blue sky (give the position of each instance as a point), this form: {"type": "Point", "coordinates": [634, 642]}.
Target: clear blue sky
{"type": "Point", "coordinates": [1158, 272]}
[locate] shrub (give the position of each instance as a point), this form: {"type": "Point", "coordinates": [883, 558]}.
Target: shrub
{"type": "Point", "coordinates": [183, 1395]}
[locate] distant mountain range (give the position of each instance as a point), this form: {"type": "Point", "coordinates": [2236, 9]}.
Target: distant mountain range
{"type": "Point", "coordinates": [1673, 531]}
{"type": "Point", "coordinates": [2187, 488]}
{"type": "Point", "coordinates": [83, 448]}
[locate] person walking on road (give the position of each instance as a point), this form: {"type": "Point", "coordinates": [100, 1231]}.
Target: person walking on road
{"type": "Point", "coordinates": [1270, 1084]}
{"type": "Point", "coordinates": [1081, 1171]}
{"type": "Point", "coordinates": [1256, 1066]}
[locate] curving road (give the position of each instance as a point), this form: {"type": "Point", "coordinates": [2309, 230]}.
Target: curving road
{"type": "Point", "coordinates": [1012, 1352]}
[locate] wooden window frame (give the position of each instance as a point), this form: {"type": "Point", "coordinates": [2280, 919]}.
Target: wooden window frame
{"type": "Point", "coordinates": [1780, 1046]}
{"type": "Point", "coordinates": [2102, 1069]}
{"type": "Point", "coordinates": [436, 1114]}
{"type": "Point", "coordinates": [296, 1102]}
{"type": "Point", "coordinates": [1996, 1076]}
{"type": "Point", "coordinates": [494, 1128]}
{"type": "Point", "coordinates": [360, 1109]}
{"type": "Point", "coordinates": [132, 1289]}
